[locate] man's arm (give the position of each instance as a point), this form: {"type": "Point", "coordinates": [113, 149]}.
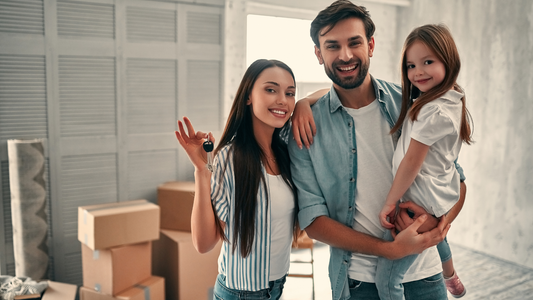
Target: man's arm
{"type": "Point", "coordinates": [405, 243]}
{"type": "Point", "coordinates": [314, 216]}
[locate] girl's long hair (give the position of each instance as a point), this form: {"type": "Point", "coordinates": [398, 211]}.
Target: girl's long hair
{"type": "Point", "coordinates": [247, 157]}
{"type": "Point", "coordinates": [439, 39]}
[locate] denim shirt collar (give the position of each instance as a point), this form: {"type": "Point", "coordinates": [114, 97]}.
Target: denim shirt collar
{"type": "Point", "coordinates": [335, 101]}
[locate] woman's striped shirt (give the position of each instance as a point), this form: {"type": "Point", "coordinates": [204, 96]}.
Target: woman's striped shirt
{"type": "Point", "coordinates": [249, 273]}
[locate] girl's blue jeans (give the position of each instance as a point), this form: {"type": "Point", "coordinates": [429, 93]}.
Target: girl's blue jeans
{"type": "Point", "coordinates": [390, 273]}
{"type": "Point", "coordinates": [445, 252]}
{"type": "Point", "coordinates": [222, 292]}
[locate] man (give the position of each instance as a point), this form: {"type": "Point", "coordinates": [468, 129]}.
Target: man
{"type": "Point", "coordinates": [344, 177]}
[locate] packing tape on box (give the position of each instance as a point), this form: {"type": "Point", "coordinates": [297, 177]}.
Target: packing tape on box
{"type": "Point", "coordinates": [96, 254]}
{"type": "Point", "coordinates": [146, 290]}
{"type": "Point", "coordinates": [86, 211]}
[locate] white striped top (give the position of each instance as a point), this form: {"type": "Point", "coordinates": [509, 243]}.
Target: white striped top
{"type": "Point", "coordinates": [251, 273]}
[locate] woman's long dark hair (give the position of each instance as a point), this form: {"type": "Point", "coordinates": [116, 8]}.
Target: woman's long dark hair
{"type": "Point", "coordinates": [439, 39]}
{"type": "Point", "coordinates": [247, 157]}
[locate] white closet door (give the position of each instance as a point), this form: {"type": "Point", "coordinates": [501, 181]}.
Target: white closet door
{"type": "Point", "coordinates": [23, 105]}
{"type": "Point", "coordinates": [104, 81]}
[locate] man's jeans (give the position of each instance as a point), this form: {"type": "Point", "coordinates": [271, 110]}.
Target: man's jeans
{"type": "Point", "coordinates": [222, 292]}
{"type": "Point", "coordinates": [431, 288]}
{"type": "Point", "coordinates": [390, 273]}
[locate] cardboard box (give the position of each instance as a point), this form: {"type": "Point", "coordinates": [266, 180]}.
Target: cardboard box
{"type": "Point", "coordinates": [60, 291]}
{"type": "Point", "coordinates": [114, 224]}
{"type": "Point", "coordinates": [54, 291]}
{"type": "Point", "coordinates": [28, 297]}
{"type": "Point", "coordinates": [188, 274]}
{"type": "Point", "coordinates": [152, 289]}
{"type": "Point", "coordinates": [176, 199]}
{"type": "Point", "coordinates": [111, 271]}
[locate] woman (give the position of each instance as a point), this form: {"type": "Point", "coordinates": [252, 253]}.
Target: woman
{"type": "Point", "coordinates": [249, 200]}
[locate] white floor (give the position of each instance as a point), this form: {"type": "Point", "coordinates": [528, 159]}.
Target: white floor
{"type": "Point", "coordinates": [484, 276]}
{"type": "Point", "coordinates": [301, 288]}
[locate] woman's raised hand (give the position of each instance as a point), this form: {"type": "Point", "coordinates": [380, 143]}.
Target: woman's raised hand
{"type": "Point", "coordinates": [192, 142]}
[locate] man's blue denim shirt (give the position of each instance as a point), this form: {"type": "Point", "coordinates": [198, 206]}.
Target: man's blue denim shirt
{"type": "Point", "coordinates": [326, 174]}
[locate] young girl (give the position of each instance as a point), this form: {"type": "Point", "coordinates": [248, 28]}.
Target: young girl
{"type": "Point", "coordinates": [249, 201]}
{"type": "Point", "coordinates": [435, 124]}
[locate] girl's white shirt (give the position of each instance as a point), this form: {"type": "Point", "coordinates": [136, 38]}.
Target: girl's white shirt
{"type": "Point", "coordinates": [437, 185]}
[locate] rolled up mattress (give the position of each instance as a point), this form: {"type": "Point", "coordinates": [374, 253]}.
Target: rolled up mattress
{"type": "Point", "coordinates": [28, 207]}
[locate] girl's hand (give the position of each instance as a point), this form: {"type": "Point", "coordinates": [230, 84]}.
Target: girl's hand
{"type": "Point", "coordinates": [303, 124]}
{"type": "Point", "coordinates": [389, 210]}
{"type": "Point", "coordinates": [403, 219]}
{"type": "Point", "coordinates": [192, 143]}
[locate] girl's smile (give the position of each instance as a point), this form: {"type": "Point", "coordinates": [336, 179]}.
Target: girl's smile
{"type": "Point", "coordinates": [422, 81]}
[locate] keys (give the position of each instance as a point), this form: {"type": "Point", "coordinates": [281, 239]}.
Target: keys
{"type": "Point", "coordinates": [208, 147]}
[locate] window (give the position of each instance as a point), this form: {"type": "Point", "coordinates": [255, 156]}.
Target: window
{"type": "Point", "coordinates": [287, 40]}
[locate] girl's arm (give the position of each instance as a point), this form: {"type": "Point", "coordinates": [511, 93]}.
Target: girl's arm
{"type": "Point", "coordinates": [203, 222]}
{"type": "Point", "coordinates": [303, 124]}
{"type": "Point", "coordinates": [403, 220]}
{"type": "Point", "coordinates": [406, 174]}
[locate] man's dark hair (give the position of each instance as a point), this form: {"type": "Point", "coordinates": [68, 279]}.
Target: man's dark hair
{"type": "Point", "coordinates": [336, 12]}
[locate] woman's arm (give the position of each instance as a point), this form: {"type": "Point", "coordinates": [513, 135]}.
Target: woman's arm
{"type": "Point", "coordinates": [303, 123]}
{"type": "Point", "coordinates": [406, 174]}
{"type": "Point", "coordinates": [203, 222]}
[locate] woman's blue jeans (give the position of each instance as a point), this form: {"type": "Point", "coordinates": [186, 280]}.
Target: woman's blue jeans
{"type": "Point", "coordinates": [222, 292]}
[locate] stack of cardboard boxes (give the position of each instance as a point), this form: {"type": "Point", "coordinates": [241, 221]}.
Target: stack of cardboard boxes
{"type": "Point", "coordinates": [189, 274]}
{"type": "Point", "coordinates": [117, 251]}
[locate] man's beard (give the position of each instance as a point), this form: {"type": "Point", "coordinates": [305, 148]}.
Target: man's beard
{"type": "Point", "coordinates": [348, 84]}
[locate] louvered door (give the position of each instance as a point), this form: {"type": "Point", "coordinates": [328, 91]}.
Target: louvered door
{"type": "Point", "coordinates": [103, 82]}
{"type": "Point", "coordinates": [23, 107]}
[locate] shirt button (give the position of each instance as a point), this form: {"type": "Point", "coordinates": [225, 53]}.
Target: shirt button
{"type": "Point", "coordinates": [353, 150]}
{"type": "Point", "coordinates": [350, 208]}
{"type": "Point", "coordinates": [352, 179]}
{"type": "Point", "coordinates": [350, 124]}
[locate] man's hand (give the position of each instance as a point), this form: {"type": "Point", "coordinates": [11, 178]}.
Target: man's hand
{"type": "Point", "coordinates": [409, 241]}
{"type": "Point", "coordinates": [403, 220]}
